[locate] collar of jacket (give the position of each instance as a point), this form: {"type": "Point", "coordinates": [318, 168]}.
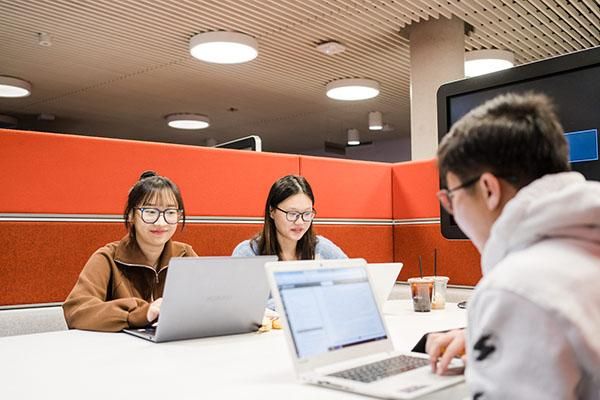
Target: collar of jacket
{"type": "Point", "coordinates": [129, 252]}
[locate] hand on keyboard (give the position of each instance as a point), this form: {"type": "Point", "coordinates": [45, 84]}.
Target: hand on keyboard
{"type": "Point", "coordinates": [443, 347]}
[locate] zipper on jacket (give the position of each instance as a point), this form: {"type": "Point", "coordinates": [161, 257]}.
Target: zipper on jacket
{"type": "Point", "coordinates": [155, 285]}
{"type": "Point", "coordinates": [156, 273]}
{"type": "Point", "coordinates": [156, 280]}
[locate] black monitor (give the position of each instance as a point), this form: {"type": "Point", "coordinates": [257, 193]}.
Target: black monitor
{"type": "Point", "coordinates": [572, 81]}
{"type": "Point", "coordinates": [250, 143]}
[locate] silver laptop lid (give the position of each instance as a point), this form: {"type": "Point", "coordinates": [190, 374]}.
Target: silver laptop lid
{"type": "Point", "coordinates": [329, 311]}
{"type": "Point", "coordinates": [383, 277]}
{"type": "Point", "coordinates": [211, 296]}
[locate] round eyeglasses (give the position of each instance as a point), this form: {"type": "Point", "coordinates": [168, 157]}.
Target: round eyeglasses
{"type": "Point", "coordinates": [445, 195]}
{"type": "Point", "coordinates": [293, 216]}
{"type": "Point", "coordinates": [151, 214]}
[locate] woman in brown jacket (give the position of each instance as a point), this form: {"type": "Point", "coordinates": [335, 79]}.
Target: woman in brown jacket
{"type": "Point", "coordinates": [121, 285]}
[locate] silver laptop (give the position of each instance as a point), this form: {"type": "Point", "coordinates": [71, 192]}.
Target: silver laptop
{"type": "Point", "coordinates": [383, 277]}
{"type": "Point", "coordinates": [210, 296]}
{"type": "Point", "coordinates": [336, 335]}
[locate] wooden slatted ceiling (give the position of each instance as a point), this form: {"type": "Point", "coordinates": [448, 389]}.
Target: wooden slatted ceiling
{"type": "Point", "coordinates": [116, 67]}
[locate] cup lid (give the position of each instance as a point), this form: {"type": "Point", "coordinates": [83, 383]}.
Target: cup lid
{"type": "Point", "coordinates": [438, 278]}
{"type": "Point", "coordinates": [425, 279]}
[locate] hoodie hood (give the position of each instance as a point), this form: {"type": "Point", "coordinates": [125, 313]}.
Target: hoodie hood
{"type": "Point", "coordinates": [559, 205]}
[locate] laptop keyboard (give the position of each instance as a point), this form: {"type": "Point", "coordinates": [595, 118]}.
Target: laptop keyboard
{"type": "Point", "coordinates": [382, 369]}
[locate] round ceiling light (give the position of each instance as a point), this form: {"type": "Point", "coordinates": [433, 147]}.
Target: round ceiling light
{"type": "Point", "coordinates": [223, 47]}
{"type": "Point", "coordinates": [14, 87]}
{"type": "Point", "coordinates": [479, 62]}
{"type": "Point", "coordinates": [352, 89]}
{"type": "Point", "coordinates": [187, 121]}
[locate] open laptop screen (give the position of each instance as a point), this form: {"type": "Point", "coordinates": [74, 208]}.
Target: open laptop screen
{"type": "Point", "coordinates": [329, 309]}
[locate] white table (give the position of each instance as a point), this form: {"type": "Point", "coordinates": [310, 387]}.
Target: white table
{"type": "Point", "coordinates": [92, 365]}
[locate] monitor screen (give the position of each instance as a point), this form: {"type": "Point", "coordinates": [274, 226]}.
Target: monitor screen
{"type": "Point", "coordinates": [316, 307]}
{"type": "Point", "coordinates": [572, 81]}
{"type": "Point", "coordinates": [250, 143]}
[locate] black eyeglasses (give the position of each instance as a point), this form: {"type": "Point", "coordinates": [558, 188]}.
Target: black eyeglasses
{"type": "Point", "coordinates": [445, 195]}
{"type": "Point", "coordinates": [152, 214]}
{"type": "Point", "coordinates": [293, 216]}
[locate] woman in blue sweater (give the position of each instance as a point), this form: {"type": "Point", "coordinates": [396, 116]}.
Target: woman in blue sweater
{"type": "Point", "coordinates": [287, 231]}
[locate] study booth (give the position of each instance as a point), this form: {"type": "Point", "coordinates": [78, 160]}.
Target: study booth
{"type": "Point", "coordinates": [63, 198]}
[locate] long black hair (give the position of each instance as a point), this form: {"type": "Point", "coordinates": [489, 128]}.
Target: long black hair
{"type": "Point", "coordinates": [266, 241]}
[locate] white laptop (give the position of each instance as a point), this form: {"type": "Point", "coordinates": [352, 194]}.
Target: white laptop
{"type": "Point", "coordinates": [210, 296]}
{"type": "Point", "coordinates": [383, 277]}
{"type": "Point", "coordinates": [336, 335]}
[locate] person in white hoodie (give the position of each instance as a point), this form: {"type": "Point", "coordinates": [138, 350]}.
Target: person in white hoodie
{"type": "Point", "coordinates": [533, 327]}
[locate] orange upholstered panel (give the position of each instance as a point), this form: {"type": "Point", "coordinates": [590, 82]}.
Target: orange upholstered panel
{"type": "Point", "coordinates": [414, 186]}
{"type": "Point", "coordinates": [373, 243]}
{"type": "Point", "coordinates": [457, 259]}
{"type": "Point", "coordinates": [216, 239]}
{"type": "Point", "coordinates": [52, 173]}
{"type": "Point", "coordinates": [349, 189]}
{"type": "Point", "coordinates": [67, 174]}
{"type": "Point", "coordinates": [41, 260]}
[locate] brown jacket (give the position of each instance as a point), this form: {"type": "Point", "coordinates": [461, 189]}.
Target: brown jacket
{"type": "Point", "coordinates": [117, 285]}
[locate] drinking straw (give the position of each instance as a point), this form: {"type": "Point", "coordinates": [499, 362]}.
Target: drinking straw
{"type": "Point", "coordinates": [421, 266]}
{"type": "Point", "coordinates": [434, 262]}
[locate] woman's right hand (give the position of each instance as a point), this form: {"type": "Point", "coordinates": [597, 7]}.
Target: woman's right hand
{"type": "Point", "coordinates": [154, 310]}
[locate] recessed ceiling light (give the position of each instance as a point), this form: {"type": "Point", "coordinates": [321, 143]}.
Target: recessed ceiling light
{"type": "Point", "coordinates": [14, 87]}
{"type": "Point", "coordinates": [352, 89]}
{"type": "Point", "coordinates": [353, 137]}
{"type": "Point", "coordinates": [479, 62]}
{"type": "Point", "coordinates": [224, 47]}
{"type": "Point", "coordinates": [331, 48]}
{"type": "Point", "coordinates": [188, 121]}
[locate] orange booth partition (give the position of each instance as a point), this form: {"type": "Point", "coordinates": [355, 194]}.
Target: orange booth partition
{"type": "Point", "coordinates": [417, 227]}
{"type": "Point", "coordinates": [63, 196]}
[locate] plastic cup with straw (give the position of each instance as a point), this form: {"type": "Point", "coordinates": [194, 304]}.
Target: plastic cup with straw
{"type": "Point", "coordinates": [421, 289]}
{"type": "Point", "coordinates": [439, 286]}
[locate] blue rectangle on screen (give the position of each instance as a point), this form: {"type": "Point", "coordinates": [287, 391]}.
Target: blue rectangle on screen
{"type": "Point", "coordinates": [583, 145]}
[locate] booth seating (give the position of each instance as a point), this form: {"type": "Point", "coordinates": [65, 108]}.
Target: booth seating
{"type": "Point", "coordinates": [63, 196]}
{"type": "Point", "coordinates": [26, 320]}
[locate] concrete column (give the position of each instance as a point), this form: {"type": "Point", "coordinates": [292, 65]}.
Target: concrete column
{"type": "Point", "coordinates": [437, 50]}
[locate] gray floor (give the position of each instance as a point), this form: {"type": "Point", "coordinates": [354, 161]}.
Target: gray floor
{"type": "Point", "coordinates": [401, 290]}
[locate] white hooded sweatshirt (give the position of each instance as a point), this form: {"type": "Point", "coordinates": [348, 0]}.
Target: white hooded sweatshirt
{"type": "Point", "coordinates": [534, 319]}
